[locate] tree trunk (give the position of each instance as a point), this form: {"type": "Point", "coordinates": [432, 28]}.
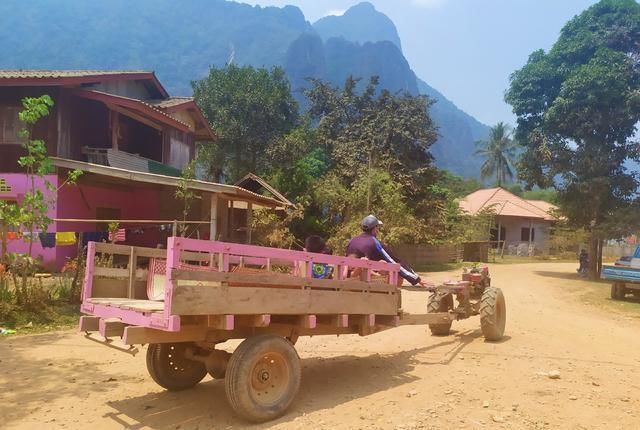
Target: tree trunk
{"type": "Point", "coordinates": [600, 247]}
{"type": "Point", "coordinates": [593, 257]}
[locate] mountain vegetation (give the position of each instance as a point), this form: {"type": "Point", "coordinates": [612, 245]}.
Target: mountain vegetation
{"type": "Point", "coordinates": [182, 40]}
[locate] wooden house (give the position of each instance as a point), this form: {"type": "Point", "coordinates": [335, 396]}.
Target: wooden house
{"type": "Point", "coordinates": [131, 140]}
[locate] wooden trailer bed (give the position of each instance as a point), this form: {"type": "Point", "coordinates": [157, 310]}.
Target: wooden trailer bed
{"type": "Point", "coordinates": [219, 290]}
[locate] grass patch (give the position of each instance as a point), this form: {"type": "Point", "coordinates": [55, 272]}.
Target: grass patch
{"type": "Point", "coordinates": [441, 267]}
{"type": "Point", "coordinates": [57, 316]}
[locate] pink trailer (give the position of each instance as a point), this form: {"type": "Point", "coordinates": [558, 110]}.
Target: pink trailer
{"type": "Point", "coordinates": [185, 300]}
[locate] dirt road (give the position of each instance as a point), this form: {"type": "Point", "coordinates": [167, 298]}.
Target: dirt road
{"type": "Point", "coordinates": [399, 379]}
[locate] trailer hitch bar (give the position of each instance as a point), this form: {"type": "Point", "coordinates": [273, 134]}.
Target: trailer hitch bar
{"type": "Point", "coordinates": [132, 350]}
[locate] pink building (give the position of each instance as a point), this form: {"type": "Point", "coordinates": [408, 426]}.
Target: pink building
{"type": "Point", "coordinates": [131, 140]}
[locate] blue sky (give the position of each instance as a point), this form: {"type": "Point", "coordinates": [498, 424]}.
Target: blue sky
{"type": "Point", "coordinates": [465, 48]}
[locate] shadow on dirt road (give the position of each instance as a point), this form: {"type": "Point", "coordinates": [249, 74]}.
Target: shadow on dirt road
{"type": "Point", "coordinates": [326, 383]}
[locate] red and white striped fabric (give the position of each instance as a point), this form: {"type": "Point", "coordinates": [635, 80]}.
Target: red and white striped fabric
{"type": "Point", "coordinates": [118, 236]}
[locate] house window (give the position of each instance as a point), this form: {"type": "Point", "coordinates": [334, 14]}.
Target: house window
{"type": "Point", "coordinates": [10, 125]}
{"type": "Point", "coordinates": [524, 235]}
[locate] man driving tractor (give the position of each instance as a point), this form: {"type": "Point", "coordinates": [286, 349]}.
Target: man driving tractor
{"type": "Point", "coordinates": [367, 245]}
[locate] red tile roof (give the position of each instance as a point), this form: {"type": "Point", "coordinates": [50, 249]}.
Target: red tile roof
{"type": "Point", "coordinates": [504, 203]}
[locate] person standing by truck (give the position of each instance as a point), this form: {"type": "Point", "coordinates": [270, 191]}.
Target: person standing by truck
{"type": "Point", "coordinates": [583, 258]}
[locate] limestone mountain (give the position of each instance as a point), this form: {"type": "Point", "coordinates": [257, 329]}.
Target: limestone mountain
{"type": "Point", "coordinates": [181, 40]}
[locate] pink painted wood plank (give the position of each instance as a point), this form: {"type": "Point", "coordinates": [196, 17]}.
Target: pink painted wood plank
{"type": "Point", "coordinates": [265, 252]}
{"type": "Point", "coordinates": [87, 286]}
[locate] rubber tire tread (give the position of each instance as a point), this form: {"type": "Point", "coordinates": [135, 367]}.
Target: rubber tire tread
{"type": "Point", "coordinates": [618, 291]}
{"type": "Point", "coordinates": [492, 328]}
{"type": "Point", "coordinates": [155, 352]}
{"type": "Point", "coordinates": [238, 377]}
{"type": "Point", "coordinates": [440, 303]}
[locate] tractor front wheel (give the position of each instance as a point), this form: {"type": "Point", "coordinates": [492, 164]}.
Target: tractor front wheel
{"type": "Point", "coordinates": [438, 303]}
{"type": "Point", "coordinates": [493, 314]}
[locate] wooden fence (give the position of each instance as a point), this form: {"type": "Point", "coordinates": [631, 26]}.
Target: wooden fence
{"type": "Point", "coordinates": [417, 255]}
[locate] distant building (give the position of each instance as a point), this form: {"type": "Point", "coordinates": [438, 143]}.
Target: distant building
{"type": "Point", "coordinates": [131, 140]}
{"type": "Point", "coordinates": [519, 222]}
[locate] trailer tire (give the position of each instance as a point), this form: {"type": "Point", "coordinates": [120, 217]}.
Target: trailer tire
{"type": "Point", "coordinates": [263, 377]}
{"type": "Point", "coordinates": [170, 369]}
{"type": "Point", "coordinates": [618, 291]}
{"type": "Point", "coordinates": [493, 314]}
{"type": "Point", "coordinates": [440, 302]}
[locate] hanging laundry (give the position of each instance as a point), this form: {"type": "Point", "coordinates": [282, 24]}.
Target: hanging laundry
{"type": "Point", "coordinates": [118, 236]}
{"type": "Point", "coordinates": [93, 236]}
{"type": "Point", "coordinates": [65, 238]}
{"type": "Point", "coordinates": [47, 240]}
{"type": "Point", "coordinates": [12, 235]}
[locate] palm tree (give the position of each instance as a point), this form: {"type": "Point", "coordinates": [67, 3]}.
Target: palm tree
{"type": "Point", "coordinates": [499, 152]}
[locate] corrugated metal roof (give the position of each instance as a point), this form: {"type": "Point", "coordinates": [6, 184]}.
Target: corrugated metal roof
{"type": "Point", "coordinates": [48, 74]}
{"type": "Point", "coordinates": [234, 192]}
{"type": "Point", "coordinates": [504, 203]}
{"type": "Point", "coordinates": [170, 102]}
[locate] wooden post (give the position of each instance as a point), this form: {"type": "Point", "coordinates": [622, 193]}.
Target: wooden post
{"type": "Point", "coordinates": [213, 227]}
{"type": "Point", "coordinates": [230, 221]}
{"type": "Point", "coordinates": [133, 263]}
{"type": "Point", "coordinates": [249, 221]}
{"type": "Point", "coordinates": [174, 229]}
{"type": "Point", "coordinates": [530, 236]}
{"type": "Point", "coordinates": [115, 129]}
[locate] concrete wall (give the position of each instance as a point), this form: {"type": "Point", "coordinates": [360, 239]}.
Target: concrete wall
{"type": "Point", "coordinates": [513, 230]}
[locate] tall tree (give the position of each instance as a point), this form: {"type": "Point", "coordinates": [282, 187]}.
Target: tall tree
{"type": "Point", "coordinates": [498, 151]}
{"type": "Point", "coordinates": [249, 109]}
{"type": "Point", "coordinates": [372, 128]}
{"type": "Point", "coordinates": [577, 107]}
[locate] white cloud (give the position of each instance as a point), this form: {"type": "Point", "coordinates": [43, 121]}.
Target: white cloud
{"type": "Point", "coordinates": [429, 3]}
{"type": "Point", "coordinates": [335, 12]}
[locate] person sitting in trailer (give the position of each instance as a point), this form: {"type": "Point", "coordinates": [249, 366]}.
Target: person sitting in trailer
{"type": "Point", "coordinates": [367, 245]}
{"type": "Point", "coordinates": [317, 245]}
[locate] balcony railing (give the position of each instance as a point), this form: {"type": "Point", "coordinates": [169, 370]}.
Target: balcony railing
{"type": "Point", "coordinates": [124, 160]}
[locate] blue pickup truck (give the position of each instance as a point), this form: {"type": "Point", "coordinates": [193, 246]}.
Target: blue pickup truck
{"type": "Point", "coordinates": [626, 278]}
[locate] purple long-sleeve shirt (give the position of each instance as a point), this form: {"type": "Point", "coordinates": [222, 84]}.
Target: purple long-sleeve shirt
{"type": "Point", "coordinates": [367, 245]}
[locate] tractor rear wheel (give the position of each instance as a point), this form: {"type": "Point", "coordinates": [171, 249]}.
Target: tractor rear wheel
{"type": "Point", "coordinates": [493, 314]}
{"type": "Point", "coordinates": [170, 369]}
{"type": "Point", "coordinates": [440, 302]}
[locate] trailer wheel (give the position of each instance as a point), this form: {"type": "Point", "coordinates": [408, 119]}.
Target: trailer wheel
{"type": "Point", "coordinates": [263, 377]}
{"type": "Point", "coordinates": [440, 302]}
{"type": "Point", "coordinates": [493, 314]}
{"type": "Point", "coordinates": [618, 291]}
{"type": "Point", "coordinates": [170, 369]}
